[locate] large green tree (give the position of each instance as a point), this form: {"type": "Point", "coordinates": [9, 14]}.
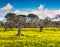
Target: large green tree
{"type": "Point", "coordinates": [16, 20]}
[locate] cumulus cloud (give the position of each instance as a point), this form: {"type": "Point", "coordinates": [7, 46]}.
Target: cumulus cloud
{"type": "Point", "coordinates": [5, 10]}
{"type": "Point", "coordinates": [43, 13]}
{"type": "Point", "coordinates": [41, 7]}
{"type": "Point", "coordinates": [2, 14]}
{"type": "Point", "coordinates": [18, 12]}
{"type": "Point", "coordinates": [7, 7]}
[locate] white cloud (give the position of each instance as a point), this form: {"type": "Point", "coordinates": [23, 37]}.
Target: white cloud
{"type": "Point", "coordinates": [7, 7]}
{"type": "Point", "coordinates": [2, 14]}
{"type": "Point", "coordinates": [18, 12]}
{"type": "Point", "coordinates": [41, 12]}
{"type": "Point", "coordinates": [41, 7]}
{"type": "Point", "coordinates": [5, 10]}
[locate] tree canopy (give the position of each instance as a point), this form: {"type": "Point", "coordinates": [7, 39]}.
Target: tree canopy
{"type": "Point", "coordinates": [32, 16]}
{"type": "Point", "coordinates": [10, 16]}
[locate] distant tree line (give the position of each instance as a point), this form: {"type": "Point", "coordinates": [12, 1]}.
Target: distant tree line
{"type": "Point", "coordinates": [31, 20]}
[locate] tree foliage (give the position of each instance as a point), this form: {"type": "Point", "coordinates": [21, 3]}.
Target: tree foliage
{"type": "Point", "coordinates": [32, 16]}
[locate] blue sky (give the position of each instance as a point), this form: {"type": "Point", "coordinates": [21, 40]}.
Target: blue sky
{"type": "Point", "coordinates": [32, 4]}
{"type": "Point", "coordinates": [42, 8]}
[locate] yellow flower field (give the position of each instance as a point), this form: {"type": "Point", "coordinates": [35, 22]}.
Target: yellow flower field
{"type": "Point", "coordinates": [31, 37]}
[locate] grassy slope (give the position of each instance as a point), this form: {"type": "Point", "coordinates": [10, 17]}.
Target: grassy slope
{"type": "Point", "coordinates": [31, 37]}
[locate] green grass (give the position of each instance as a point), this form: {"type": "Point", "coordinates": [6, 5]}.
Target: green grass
{"type": "Point", "coordinates": [31, 37]}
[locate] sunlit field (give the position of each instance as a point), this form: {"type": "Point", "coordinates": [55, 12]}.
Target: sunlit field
{"type": "Point", "coordinates": [31, 37]}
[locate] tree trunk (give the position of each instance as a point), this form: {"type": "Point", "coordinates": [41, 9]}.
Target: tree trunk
{"type": "Point", "coordinates": [5, 29]}
{"type": "Point", "coordinates": [19, 31]}
{"type": "Point", "coordinates": [41, 28]}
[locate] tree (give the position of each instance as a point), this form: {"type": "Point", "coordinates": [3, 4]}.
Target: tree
{"type": "Point", "coordinates": [1, 24]}
{"type": "Point", "coordinates": [46, 21]}
{"type": "Point", "coordinates": [21, 19]}
{"type": "Point", "coordinates": [32, 18]}
{"type": "Point", "coordinates": [10, 17]}
{"type": "Point", "coordinates": [41, 28]}
{"type": "Point", "coordinates": [16, 20]}
{"type": "Point", "coordinates": [5, 26]}
{"type": "Point", "coordinates": [57, 23]}
{"type": "Point", "coordinates": [57, 16]}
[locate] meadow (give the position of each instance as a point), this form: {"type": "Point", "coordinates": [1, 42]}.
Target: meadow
{"type": "Point", "coordinates": [30, 37]}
